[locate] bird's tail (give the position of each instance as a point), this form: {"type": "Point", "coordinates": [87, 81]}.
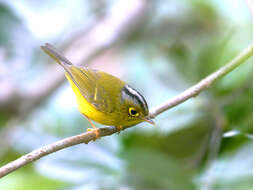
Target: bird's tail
{"type": "Point", "coordinates": [57, 56]}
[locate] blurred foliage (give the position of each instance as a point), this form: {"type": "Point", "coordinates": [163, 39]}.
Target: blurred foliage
{"type": "Point", "coordinates": [176, 45]}
{"type": "Point", "coordinates": [27, 179]}
{"type": "Point", "coordinates": [173, 158]}
{"type": "Point", "coordinates": [8, 21]}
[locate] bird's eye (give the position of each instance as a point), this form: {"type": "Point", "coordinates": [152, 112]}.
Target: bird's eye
{"type": "Point", "coordinates": [133, 112]}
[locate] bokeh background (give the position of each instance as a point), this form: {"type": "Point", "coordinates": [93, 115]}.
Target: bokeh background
{"type": "Point", "coordinates": [159, 47]}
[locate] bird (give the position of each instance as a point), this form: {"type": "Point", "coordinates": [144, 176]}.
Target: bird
{"type": "Point", "coordinates": [102, 97]}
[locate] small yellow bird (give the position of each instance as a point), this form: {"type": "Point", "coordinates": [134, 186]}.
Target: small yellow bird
{"type": "Point", "coordinates": [102, 97]}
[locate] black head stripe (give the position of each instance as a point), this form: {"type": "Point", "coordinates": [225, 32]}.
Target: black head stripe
{"type": "Point", "coordinates": [133, 94]}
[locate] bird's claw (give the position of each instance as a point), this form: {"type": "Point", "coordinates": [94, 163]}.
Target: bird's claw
{"type": "Point", "coordinates": [96, 132]}
{"type": "Point", "coordinates": [119, 129]}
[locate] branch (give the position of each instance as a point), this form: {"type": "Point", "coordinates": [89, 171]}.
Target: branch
{"type": "Point", "coordinates": [109, 130]}
{"type": "Point", "coordinates": [204, 83]}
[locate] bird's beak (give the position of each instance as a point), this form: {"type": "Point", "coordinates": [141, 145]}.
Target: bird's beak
{"type": "Point", "coordinates": [148, 119]}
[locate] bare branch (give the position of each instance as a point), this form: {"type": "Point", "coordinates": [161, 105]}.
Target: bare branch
{"type": "Point", "coordinates": [105, 131]}
{"type": "Point", "coordinates": [204, 83]}
{"type": "Point", "coordinates": [48, 149]}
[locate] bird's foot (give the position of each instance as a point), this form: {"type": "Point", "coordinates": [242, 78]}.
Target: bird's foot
{"type": "Point", "coordinates": [96, 130]}
{"type": "Point", "coordinates": [119, 128]}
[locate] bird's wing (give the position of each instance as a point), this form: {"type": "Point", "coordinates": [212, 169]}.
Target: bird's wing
{"type": "Point", "coordinates": [88, 82]}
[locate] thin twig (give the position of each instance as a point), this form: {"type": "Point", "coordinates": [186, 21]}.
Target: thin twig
{"type": "Point", "coordinates": [105, 131]}
{"type": "Point", "coordinates": [204, 83]}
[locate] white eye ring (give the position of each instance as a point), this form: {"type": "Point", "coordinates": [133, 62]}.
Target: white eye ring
{"type": "Point", "coordinates": [133, 112]}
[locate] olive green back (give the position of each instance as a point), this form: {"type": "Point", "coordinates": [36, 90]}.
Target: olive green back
{"type": "Point", "coordinates": [102, 90]}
